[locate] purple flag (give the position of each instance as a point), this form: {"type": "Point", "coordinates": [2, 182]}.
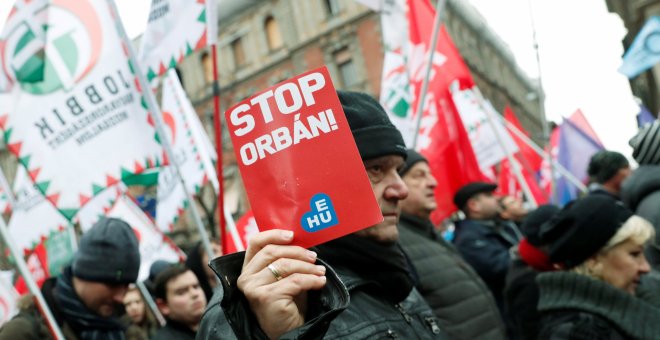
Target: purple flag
{"type": "Point", "coordinates": [644, 116]}
{"type": "Point", "coordinates": [575, 149]}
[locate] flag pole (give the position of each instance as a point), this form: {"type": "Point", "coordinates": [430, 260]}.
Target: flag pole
{"type": "Point", "coordinates": [544, 119]}
{"type": "Point", "coordinates": [509, 155]}
{"type": "Point", "coordinates": [150, 302]}
{"type": "Point", "coordinates": [217, 127]}
{"type": "Point", "coordinates": [29, 281]}
{"type": "Point", "coordinates": [429, 65]}
{"type": "Point", "coordinates": [157, 116]}
{"type": "Point", "coordinates": [553, 163]}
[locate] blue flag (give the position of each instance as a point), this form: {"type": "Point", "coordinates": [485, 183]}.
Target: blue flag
{"type": "Point", "coordinates": [644, 116]}
{"type": "Point", "coordinates": [644, 51]}
{"type": "Point", "coordinates": [575, 150]}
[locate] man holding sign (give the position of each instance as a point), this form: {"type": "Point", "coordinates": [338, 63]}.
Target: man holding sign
{"type": "Point", "coordinates": [355, 286]}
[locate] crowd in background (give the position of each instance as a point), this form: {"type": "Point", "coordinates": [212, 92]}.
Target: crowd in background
{"type": "Point", "coordinates": [587, 270]}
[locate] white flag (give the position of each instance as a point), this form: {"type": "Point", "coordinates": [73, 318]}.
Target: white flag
{"type": "Point", "coordinates": [8, 296]}
{"type": "Point", "coordinates": [91, 128]}
{"type": "Point", "coordinates": [176, 29]}
{"type": "Point", "coordinates": [22, 44]}
{"type": "Point", "coordinates": [483, 137]}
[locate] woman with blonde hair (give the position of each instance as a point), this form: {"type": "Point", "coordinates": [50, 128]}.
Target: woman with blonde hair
{"type": "Point", "coordinates": [597, 245]}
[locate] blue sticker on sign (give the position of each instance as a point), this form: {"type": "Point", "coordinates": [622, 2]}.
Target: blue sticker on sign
{"type": "Point", "coordinates": [322, 216]}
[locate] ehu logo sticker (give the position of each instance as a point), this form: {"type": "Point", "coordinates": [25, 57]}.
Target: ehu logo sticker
{"type": "Point", "coordinates": [322, 216]}
{"type": "Point", "coordinates": [51, 47]}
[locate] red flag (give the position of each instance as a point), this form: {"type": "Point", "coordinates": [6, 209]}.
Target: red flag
{"type": "Point", "coordinates": [580, 121]}
{"type": "Point", "coordinates": [246, 226]}
{"type": "Point", "coordinates": [442, 137]}
{"type": "Point", "coordinates": [528, 157]}
{"type": "Point", "coordinates": [37, 264]}
{"type": "Point", "coordinates": [546, 168]}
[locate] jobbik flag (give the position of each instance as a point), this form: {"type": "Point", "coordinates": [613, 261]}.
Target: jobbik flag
{"type": "Point", "coordinates": [36, 226]}
{"type": "Point", "coordinates": [299, 162]}
{"type": "Point", "coordinates": [85, 126]}
{"type": "Point", "coordinates": [8, 296]}
{"type": "Point", "coordinates": [22, 44]}
{"type": "Point", "coordinates": [176, 29]}
{"type": "Point", "coordinates": [190, 155]}
{"type": "Point", "coordinates": [154, 245]}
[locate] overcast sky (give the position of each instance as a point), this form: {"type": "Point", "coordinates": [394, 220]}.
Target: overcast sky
{"type": "Point", "coordinates": [580, 50]}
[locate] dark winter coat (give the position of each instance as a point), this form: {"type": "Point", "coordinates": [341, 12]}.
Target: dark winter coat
{"type": "Point", "coordinates": [521, 296]}
{"type": "Point", "coordinates": [332, 314]}
{"type": "Point", "coordinates": [30, 324]}
{"type": "Point", "coordinates": [574, 306]}
{"type": "Point", "coordinates": [486, 245]}
{"type": "Point", "coordinates": [641, 193]}
{"type": "Point", "coordinates": [174, 331]}
{"type": "Point", "coordinates": [460, 299]}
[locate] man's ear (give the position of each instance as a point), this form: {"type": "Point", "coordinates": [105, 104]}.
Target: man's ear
{"type": "Point", "coordinates": [163, 307]}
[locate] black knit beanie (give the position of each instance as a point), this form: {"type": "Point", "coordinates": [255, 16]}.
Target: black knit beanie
{"type": "Point", "coordinates": [583, 228]}
{"type": "Point", "coordinates": [413, 158]}
{"type": "Point", "coordinates": [603, 165]}
{"type": "Point", "coordinates": [531, 226]}
{"type": "Point", "coordinates": [374, 134]}
{"type": "Point", "coordinates": [108, 253]}
{"type": "Point", "coordinates": [646, 145]}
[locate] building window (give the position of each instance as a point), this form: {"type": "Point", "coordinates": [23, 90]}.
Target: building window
{"type": "Point", "coordinates": [273, 33]}
{"type": "Point", "coordinates": [207, 66]}
{"type": "Point", "coordinates": [238, 52]}
{"type": "Point", "coordinates": [332, 6]}
{"type": "Point", "coordinates": [346, 66]}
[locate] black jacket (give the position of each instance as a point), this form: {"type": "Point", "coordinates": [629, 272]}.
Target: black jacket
{"type": "Point", "coordinates": [574, 306]}
{"type": "Point", "coordinates": [641, 193]}
{"type": "Point", "coordinates": [346, 308]}
{"type": "Point", "coordinates": [486, 245]}
{"type": "Point", "coordinates": [459, 298]}
{"type": "Point", "coordinates": [521, 296]}
{"type": "Point", "coordinates": [174, 331]}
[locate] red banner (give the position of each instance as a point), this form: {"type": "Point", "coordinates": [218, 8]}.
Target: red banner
{"type": "Point", "coordinates": [301, 168]}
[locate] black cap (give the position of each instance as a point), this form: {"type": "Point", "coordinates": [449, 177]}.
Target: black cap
{"type": "Point", "coordinates": [108, 253]}
{"type": "Point", "coordinates": [413, 158]}
{"type": "Point", "coordinates": [531, 226]}
{"type": "Point", "coordinates": [374, 134]}
{"type": "Point", "coordinates": [583, 228]}
{"type": "Point", "coordinates": [470, 190]}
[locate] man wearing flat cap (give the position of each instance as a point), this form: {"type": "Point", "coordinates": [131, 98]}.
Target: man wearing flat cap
{"type": "Point", "coordinates": [482, 239]}
{"type": "Point", "coordinates": [84, 299]}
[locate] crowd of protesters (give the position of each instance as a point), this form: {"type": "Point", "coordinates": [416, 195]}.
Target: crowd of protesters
{"type": "Point", "coordinates": [577, 272]}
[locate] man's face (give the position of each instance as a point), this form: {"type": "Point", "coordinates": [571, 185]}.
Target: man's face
{"type": "Point", "coordinates": [421, 186]}
{"type": "Point", "coordinates": [185, 300]}
{"type": "Point", "coordinates": [100, 298]}
{"type": "Point", "coordinates": [512, 208]}
{"type": "Point", "coordinates": [389, 189]}
{"type": "Point", "coordinates": [483, 206]}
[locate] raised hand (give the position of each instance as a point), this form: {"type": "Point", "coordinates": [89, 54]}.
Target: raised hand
{"type": "Point", "coordinates": [275, 279]}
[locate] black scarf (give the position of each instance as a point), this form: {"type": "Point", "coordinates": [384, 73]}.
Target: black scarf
{"type": "Point", "coordinates": [382, 263]}
{"type": "Point", "coordinates": [86, 323]}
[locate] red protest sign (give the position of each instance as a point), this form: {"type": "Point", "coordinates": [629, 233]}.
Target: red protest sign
{"type": "Point", "coordinates": [299, 163]}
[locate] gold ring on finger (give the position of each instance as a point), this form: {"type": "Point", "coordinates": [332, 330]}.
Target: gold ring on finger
{"type": "Point", "coordinates": [275, 272]}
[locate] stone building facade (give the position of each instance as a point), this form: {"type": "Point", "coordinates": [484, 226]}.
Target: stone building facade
{"type": "Point", "coordinates": [266, 42]}
{"type": "Point", "coordinates": [634, 14]}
